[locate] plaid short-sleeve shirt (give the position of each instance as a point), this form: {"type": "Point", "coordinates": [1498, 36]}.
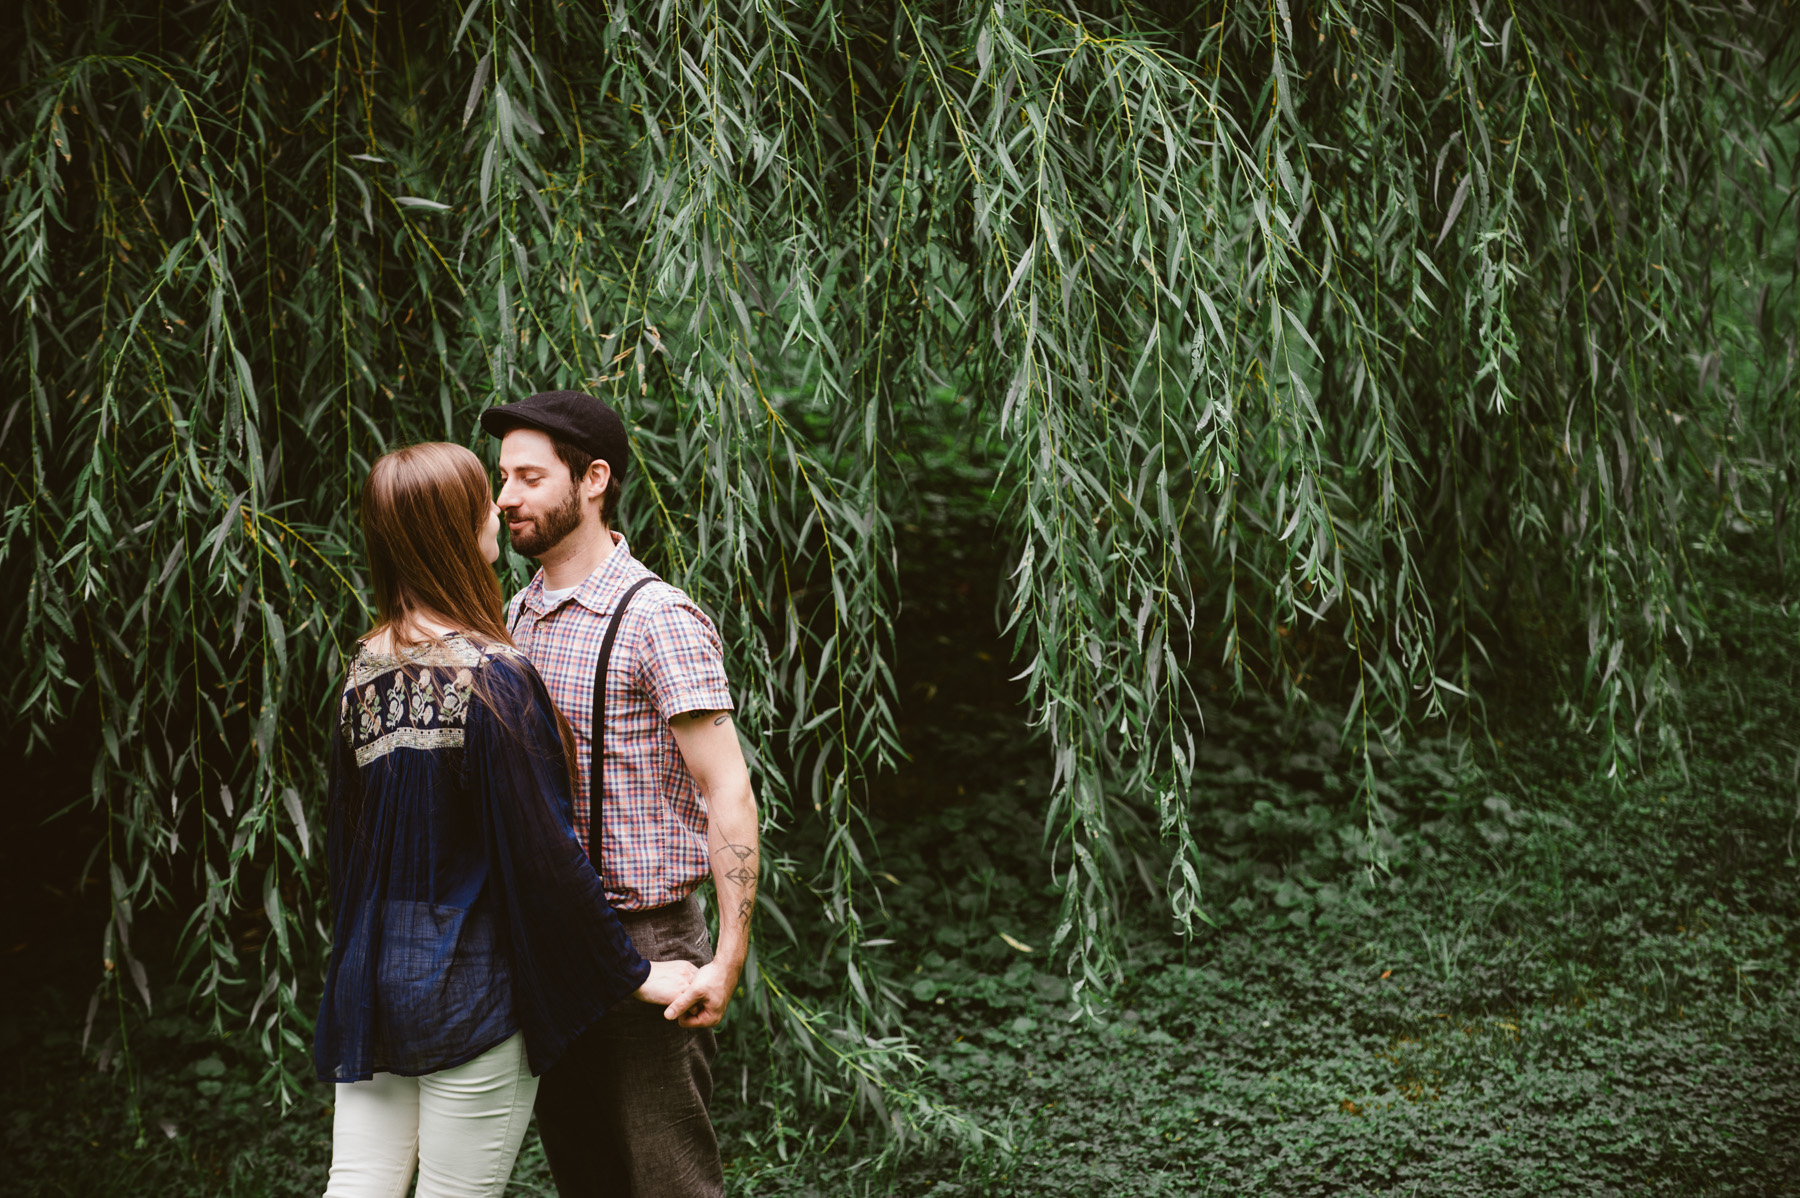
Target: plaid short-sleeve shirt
{"type": "Point", "coordinates": [667, 660]}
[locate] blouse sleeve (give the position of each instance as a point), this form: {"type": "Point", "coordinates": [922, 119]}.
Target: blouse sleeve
{"type": "Point", "coordinates": [341, 1046]}
{"type": "Point", "coordinates": [342, 795]}
{"type": "Point", "coordinates": [571, 958]}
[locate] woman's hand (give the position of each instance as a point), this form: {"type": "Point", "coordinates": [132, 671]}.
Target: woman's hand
{"type": "Point", "coordinates": [666, 982]}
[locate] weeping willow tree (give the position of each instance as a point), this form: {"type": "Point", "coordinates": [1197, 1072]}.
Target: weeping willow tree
{"type": "Point", "coordinates": [1349, 347]}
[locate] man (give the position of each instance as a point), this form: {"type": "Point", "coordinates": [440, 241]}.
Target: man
{"type": "Point", "coordinates": [625, 1112]}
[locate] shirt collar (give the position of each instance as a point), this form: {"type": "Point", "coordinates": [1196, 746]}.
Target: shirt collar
{"type": "Point", "coordinates": [594, 590]}
{"type": "Point", "coordinates": [598, 588]}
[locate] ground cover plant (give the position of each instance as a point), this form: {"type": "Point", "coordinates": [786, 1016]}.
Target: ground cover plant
{"type": "Point", "coordinates": [1524, 1017]}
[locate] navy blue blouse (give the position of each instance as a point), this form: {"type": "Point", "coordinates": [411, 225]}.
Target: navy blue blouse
{"type": "Point", "coordinates": [465, 909]}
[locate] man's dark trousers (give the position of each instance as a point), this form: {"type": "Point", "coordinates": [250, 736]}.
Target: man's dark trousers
{"type": "Point", "coordinates": [623, 1113]}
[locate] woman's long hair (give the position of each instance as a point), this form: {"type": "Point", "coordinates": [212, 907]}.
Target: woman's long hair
{"type": "Point", "coordinates": [423, 509]}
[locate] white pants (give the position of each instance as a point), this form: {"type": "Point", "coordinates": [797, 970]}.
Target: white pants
{"type": "Point", "coordinates": [461, 1127]}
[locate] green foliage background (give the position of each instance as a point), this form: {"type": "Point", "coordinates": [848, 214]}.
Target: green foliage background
{"type": "Point", "coordinates": [1368, 349]}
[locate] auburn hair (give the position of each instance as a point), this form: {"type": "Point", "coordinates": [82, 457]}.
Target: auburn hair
{"type": "Point", "coordinates": [423, 510]}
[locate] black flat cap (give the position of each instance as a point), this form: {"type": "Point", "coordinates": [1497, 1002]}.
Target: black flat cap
{"type": "Point", "coordinates": [581, 420]}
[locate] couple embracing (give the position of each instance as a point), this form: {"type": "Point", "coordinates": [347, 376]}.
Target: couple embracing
{"type": "Point", "coordinates": [523, 805]}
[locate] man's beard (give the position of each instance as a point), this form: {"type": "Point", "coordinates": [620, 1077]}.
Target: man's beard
{"type": "Point", "coordinates": [543, 532]}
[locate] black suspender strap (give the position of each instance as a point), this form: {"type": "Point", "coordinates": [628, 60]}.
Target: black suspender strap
{"type": "Point", "coordinates": [597, 762]}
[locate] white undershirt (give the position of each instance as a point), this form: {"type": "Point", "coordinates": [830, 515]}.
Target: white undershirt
{"type": "Point", "coordinates": [552, 598]}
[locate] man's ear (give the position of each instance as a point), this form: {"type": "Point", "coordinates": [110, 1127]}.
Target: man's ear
{"type": "Point", "coordinates": [593, 484]}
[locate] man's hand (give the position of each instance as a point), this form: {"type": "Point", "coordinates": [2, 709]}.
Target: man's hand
{"type": "Point", "coordinates": [702, 1003]}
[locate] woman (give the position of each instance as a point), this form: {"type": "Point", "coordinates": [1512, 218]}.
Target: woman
{"type": "Point", "coordinates": [473, 940]}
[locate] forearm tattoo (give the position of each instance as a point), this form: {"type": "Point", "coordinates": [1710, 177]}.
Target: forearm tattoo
{"type": "Point", "coordinates": [739, 862]}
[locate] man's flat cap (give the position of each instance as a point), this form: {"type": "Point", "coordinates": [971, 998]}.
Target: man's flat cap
{"type": "Point", "coordinates": [581, 420]}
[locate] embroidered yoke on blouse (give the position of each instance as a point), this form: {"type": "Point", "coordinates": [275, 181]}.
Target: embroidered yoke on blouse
{"type": "Point", "coordinates": [398, 710]}
{"type": "Point", "coordinates": [464, 909]}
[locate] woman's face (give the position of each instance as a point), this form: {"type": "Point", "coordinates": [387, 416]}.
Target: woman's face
{"type": "Point", "coordinates": [490, 535]}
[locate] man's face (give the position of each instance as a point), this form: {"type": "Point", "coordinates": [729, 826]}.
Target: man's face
{"type": "Point", "coordinates": [539, 500]}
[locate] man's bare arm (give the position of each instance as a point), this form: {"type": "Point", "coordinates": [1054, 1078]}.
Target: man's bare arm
{"type": "Point", "coordinates": [709, 745]}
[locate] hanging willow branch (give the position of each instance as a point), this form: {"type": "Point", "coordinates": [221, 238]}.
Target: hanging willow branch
{"type": "Point", "coordinates": [1358, 348]}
